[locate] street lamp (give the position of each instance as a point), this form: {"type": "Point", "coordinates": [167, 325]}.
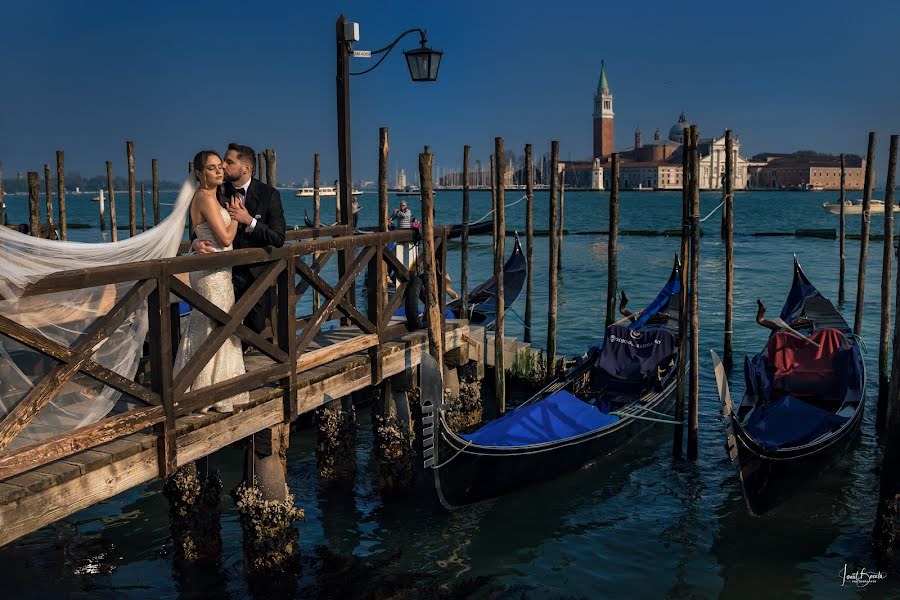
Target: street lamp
{"type": "Point", "coordinates": [423, 63]}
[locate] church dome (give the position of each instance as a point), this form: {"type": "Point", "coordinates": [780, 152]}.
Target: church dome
{"type": "Point", "coordinates": [676, 134]}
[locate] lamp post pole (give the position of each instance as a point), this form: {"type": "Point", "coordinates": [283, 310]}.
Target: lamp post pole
{"type": "Point", "coordinates": [343, 124]}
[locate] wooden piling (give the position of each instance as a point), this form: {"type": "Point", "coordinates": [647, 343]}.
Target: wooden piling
{"type": "Point", "coordinates": [143, 210]}
{"type": "Point", "coordinates": [48, 196]}
{"type": "Point", "coordinates": [113, 224]}
{"type": "Point", "coordinates": [383, 151]}
{"type": "Point", "coordinates": [554, 275]}
{"type": "Point", "coordinates": [529, 240]}
{"type": "Point", "coordinates": [60, 193]}
{"type": "Point", "coordinates": [562, 216]}
{"type": "Point", "coordinates": [464, 254]}
{"type": "Point", "coordinates": [729, 247]}
{"type": "Point", "coordinates": [316, 215]}
{"type": "Point", "coordinates": [190, 167]}
{"type": "Point", "coordinates": [884, 341]}
{"type": "Point", "coordinates": [432, 302]}
{"type": "Point", "coordinates": [864, 234]}
{"type": "Point", "coordinates": [499, 256]}
{"type": "Point", "coordinates": [886, 533]}
{"type": "Point", "coordinates": [316, 183]}
{"type": "Point", "coordinates": [2, 205]}
{"type": "Point", "coordinates": [841, 235]}
{"type": "Point", "coordinates": [154, 190]}
{"type": "Point", "coordinates": [271, 167]}
{"type": "Point", "coordinates": [678, 429]}
{"type": "Point", "coordinates": [260, 166]}
{"type": "Point", "coordinates": [612, 248]}
{"type": "Point", "coordinates": [34, 206]}
{"type": "Point", "coordinates": [132, 200]}
{"type": "Point", "coordinates": [493, 201]}
{"type": "Point", "coordinates": [694, 388]}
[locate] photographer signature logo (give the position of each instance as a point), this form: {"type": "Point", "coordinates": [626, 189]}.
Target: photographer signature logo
{"type": "Point", "coordinates": [861, 578]}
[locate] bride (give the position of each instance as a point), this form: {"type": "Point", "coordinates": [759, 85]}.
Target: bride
{"type": "Point", "coordinates": [212, 223]}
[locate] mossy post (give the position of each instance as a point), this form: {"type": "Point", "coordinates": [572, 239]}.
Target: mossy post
{"type": "Point", "coordinates": [842, 234]}
{"type": "Point", "coordinates": [864, 235]}
{"type": "Point", "coordinates": [884, 340]}
{"type": "Point", "coordinates": [428, 260]}
{"type": "Point", "coordinates": [48, 196]}
{"type": "Point", "coordinates": [143, 210]}
{"type": "Point", "coordinates": [34, 203]}
{"type": "Point", "coordinates": [113, 224]}
{"type": "Point", "coordinates": [60, 193]}
{"type": "Point", "coordinates": [729, 247]}
{"type": "Point", "coordinates": [316, 216]}
{"type": "Point", "coordinates": [464, 254]}
{"type": "Point", "coordinates": [154, 190]}
{"type": "Point", "coordinates": [554, 263]}
{"type": "Point", "coordinates": [499, 251]}
{"type": "Point", "coordinates": [271, 167]}
{"type": "Point", "coordinates": [694, 387]}
{"type": "Point", "coordinates": [529, 240]}
{"type": "Point", "coordinates": [612, 250]}
{"type": "Point", "coordinates": [132, 197]}
{"type": "Point", "coordinates": [686, 170]}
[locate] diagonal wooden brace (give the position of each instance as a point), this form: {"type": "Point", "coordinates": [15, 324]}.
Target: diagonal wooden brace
{"type": "Point", "coordinates": [52, 382]}
{"type": "Point", "coordinates": [324, 288]}
{"type": "Point", "coordinates": [218, 336]}
{"type": "Point", "coordinates": [343, 287]}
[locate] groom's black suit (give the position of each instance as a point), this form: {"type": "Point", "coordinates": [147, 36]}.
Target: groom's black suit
{"type": "Point", "coordinates": [263, 202]}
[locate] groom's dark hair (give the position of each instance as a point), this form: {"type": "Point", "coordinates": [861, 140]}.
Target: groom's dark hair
{"type": "Point", "coordinates": [245, 153]}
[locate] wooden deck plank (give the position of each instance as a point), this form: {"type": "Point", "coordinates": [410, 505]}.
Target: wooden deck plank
{"type": "Point", "coordinates": [35, 499]}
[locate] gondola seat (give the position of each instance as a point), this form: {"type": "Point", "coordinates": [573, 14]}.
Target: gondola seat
{"type": "Point", "coordinates": [804, 370]}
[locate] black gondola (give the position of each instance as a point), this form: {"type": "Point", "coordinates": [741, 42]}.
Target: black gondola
{"type": "Point", "coordinates": [482, 300]}
{"type": "Point", "coordinates": [455, 230]}
{"type": "Point", "coordinates": [804, 400]}
{"type": "Point", "coordinates": [608, 398]}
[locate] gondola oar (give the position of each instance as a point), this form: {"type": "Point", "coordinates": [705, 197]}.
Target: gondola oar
{"type": "Point", "coordinates": [727, 405]}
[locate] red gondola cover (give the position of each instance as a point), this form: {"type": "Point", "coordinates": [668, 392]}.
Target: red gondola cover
{"type": "Point", "coordinates": [803, 368]}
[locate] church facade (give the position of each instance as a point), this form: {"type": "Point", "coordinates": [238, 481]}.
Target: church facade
{"type": "Point", "coordinates": [656, 164]}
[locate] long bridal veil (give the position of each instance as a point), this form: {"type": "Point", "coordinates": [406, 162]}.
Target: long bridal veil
{"type": "Point", "coordinates": [63, 317]}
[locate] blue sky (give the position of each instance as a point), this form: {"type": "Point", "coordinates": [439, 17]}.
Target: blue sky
{"type": "Point", "coordinates": [176, 77]}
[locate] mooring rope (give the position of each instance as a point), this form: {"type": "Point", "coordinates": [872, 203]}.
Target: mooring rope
{"type": "Point", "coordinates": [721, 204]}
{"type": "Point", "coordinates": [492, 210]}
{"type": "Point", "coordinates": [654, 419]}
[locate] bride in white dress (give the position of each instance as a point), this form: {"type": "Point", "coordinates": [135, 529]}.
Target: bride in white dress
{"type": "Point", "coordinates": [212, 222]}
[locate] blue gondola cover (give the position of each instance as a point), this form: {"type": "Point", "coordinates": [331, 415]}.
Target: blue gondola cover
{"type": "Point", "coordinates": [557, 417]}
{"type": "Point", "coordinates": [788, 422]}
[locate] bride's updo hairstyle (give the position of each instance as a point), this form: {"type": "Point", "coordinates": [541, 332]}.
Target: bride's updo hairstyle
{"type": "Point", "coordinates": [200, 160]}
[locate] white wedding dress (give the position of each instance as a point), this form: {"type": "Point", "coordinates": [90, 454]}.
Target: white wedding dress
{"type": "Point", "coordinates": [216, 286]}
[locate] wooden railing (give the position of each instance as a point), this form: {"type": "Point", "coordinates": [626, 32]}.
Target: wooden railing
{"type": "Point", "coordinates": [164, 396]}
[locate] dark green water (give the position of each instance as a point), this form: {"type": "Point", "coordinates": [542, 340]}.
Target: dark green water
{"type": "Point", "coordinates": [634, 525]}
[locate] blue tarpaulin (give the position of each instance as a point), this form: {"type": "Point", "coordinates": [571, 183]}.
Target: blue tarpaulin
{"type": "Point", "coordinates": [789, 421]}
{"type": "Point", "coordinates": [557, 417]}
{"type": "Point", "coordinates": [672, 287]}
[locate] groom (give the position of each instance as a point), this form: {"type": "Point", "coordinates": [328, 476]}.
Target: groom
{"type": "Point", "coordinates": [261, 223]}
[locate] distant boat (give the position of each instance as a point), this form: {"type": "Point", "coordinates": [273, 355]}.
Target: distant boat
{"type": "Point", "coordinates": [323, 191]}
{"type": "Point", "coordinates": [855, 207]}
{"type": "Point", "coordinates": [100, 198]}
{"type": "Point", "coordinates": [77, 190]}
{"type": "Point", "coordinates": [409, 190]}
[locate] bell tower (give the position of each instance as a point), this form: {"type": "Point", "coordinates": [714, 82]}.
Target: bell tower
{"type": "Point", "coordinates": [603, 117]}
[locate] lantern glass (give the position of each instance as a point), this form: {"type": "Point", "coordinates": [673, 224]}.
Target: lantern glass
{"type": "Point", "coordinates": [423, 63]}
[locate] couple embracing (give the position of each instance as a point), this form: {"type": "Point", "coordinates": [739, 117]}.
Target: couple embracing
{"type": "Point", "coordinates": [230, 209]}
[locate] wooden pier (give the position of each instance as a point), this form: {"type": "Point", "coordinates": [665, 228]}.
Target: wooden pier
{"type": "Point", "coordinates": [156, 425]}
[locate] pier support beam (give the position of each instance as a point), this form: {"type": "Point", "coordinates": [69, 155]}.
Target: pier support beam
{"type": "Point", "coordinates": [194, 510]}
{"type": "Point", "coordinates": [266, 505]}
{"type": "Point", "coordinates": [393, 438]}
{"type": "Point", "coordinates": [336, 447]}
